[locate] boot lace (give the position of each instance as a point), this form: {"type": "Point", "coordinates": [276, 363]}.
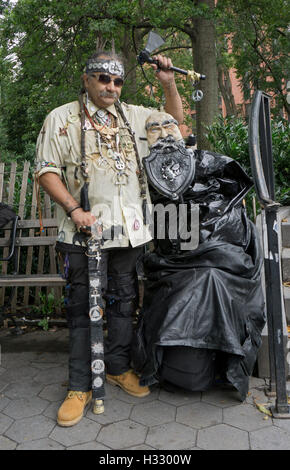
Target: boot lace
{"type": "Point", "coordinates": [73, 393]}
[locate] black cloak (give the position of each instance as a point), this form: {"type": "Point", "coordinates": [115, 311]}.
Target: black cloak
{"type": "Point", "coordinates": [210, 297]}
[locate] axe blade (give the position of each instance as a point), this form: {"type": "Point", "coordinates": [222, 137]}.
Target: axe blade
{"type": "Point", "coordinates": [153, 42]}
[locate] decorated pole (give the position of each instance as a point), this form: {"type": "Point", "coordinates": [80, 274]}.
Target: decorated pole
{"type": "Point", "coordinates": [96, 304]}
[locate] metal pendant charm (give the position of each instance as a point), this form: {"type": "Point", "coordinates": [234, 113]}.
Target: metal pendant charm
{"type": "Point", "coordinates": [121, 178]}
{"type": "Point", "coordinates": [98, 407]}
{"type": "Point", "coordinates": [197, 95]}
{"type": "Point", "coordinates": [120, 165]}
{"type": "Point", "coordinates": [101, 113]}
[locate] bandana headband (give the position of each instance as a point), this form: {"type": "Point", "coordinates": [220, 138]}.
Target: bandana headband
{"type": "Point", "coordinates": [114, 67]}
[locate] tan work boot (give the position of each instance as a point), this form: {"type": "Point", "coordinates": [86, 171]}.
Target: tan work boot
{"type": "Point", "coordinates": [72, 409]}
{"type": "Point", "coordinates": [129, 382]}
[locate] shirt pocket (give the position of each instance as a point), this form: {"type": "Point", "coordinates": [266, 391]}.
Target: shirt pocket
{"type": "Point", "coordinates": [91, 143]}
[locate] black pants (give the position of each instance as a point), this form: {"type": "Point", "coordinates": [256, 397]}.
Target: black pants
{"type": "Point", "coordinates": [120, 291]}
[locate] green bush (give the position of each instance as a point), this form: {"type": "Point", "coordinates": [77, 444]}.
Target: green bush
{"type": "Point", "coordinates": [46, 309]}
{"type": "Point", "coordinates": [229, 136]}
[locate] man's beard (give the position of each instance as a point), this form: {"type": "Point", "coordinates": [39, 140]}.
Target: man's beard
{"type": "Point", "coordinates": [167, 143]}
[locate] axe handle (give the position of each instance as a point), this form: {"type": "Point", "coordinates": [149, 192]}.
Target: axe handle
{"type": "Point", "coordinates": [200, 76]}
{"type": "Point", "coordinates": [144, 56]}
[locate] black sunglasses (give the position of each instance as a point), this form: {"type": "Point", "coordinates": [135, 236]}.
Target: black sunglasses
{"type": "Point", "coordinates": [104, 78]}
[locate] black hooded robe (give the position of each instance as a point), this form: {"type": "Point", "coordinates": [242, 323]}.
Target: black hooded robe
{"type": "Point", "coordinates": [211, 297]}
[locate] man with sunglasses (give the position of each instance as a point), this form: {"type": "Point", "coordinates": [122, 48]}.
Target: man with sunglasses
{"type": "Point", "coordinates": [89, 155]}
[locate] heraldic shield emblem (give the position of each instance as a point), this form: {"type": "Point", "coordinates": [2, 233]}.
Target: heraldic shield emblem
{"type": "Point", "coordinates": [170, 170]}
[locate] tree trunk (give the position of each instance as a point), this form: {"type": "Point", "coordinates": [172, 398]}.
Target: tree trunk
{"type": "Point", "coordinates": [204, 53]}
{"type": "Point", "coordinates": [225, 86]}
{"type": "Point", "coordinates": [130, 65]}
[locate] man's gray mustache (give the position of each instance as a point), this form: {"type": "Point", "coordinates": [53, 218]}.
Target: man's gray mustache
{"type": "Point", "coordinates": [107, 94]}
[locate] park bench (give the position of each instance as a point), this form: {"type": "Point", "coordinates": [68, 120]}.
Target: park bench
{"type": "Point", "coordinates": [36, 266]}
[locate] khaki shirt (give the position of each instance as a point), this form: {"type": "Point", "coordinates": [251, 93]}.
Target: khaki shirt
{"type": "Point", "coordinates": [59, 151]}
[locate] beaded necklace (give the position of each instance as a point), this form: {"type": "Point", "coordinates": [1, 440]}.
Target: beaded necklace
{"type": "Point", "coordinates": [84, 168]}
{"type": "Point", "coordinates": [110, 138]}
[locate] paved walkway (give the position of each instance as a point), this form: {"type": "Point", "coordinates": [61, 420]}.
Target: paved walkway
{"type": "Point", "coordinates": [33, 383]}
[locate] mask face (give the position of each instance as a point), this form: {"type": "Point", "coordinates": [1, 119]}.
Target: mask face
{"type": "Point", "coordinates": [160, 125]}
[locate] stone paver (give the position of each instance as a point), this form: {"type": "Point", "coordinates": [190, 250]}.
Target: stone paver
{"type": "Point", "coordinates": [19, 374]}
{"type": "Point", "coordinates": [7, 444]}
{"type": "Point", "coordinates": [4, 401]}
{"type": "Point", "coordinates": [123, 434]}
{"type": "Point", "coordinates": [222, 437]}
{"type": "Point", "coordinates": [221, 397]}
{"type": "Point", "coordinates": [52, 375]}
{"type": "Point", "coordinates": [142, 447]}
{"type": "Point", "coordinates": [121, 395]}
{"type": "Point", "coordinates": [3, 385]}
{"type": "Point", "coordinates": [273, 438]}
{"type": "Point", "coordinates": [199, 415]}
{"type": "Point", "coordinates": [171, 436]}
{"type": "Point", "coordinates": [53, 392]}
{"type": "Point", "coordinates": [33, 384]}
{"type": "Point", "coordinates": [153, 413]}
{"type": "Point", "coordinates": [30, 429]}
{"type": "Point", "coordinates": [282, 423]}
{"type": "Point", "coordinates": [22, 389]}
{"type": "Point", "coordinates": [178, 398]}
{"type": "Point", "coordinates": [89, 446]}
{"type": "Point", "coordinates": [14, 360]}
{"type": "Point", "coordinates": [41, 444]}
{"type": "Point", "coordinates": [258, 396]}
{"type": "Point", "coordinates": [26, 407]}
{"type": "Point", "coordinates": [5, 422]}
{"type": "Point", "coordinates": [246, 417]}
{"type": "Point", "coordinates": [44, 365]}
{"type": "Point", "coordinates": [52, 409]}
{"type": "Point", "coordinates": [115, 410]}
{"type": "Point", "coordinates": [85, 431]}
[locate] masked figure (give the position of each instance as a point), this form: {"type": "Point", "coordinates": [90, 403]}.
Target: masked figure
{"type": "Point", "coordinates": [203, 307]}
{"type": "Point", "coordinates": [170, 166]}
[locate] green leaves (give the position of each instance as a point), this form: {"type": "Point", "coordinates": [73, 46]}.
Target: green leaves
{"type": "Point", "coordinates": [229, 136]}
{"type": "Point", "coordinates": [44, 45]}
{"type": "Point", "coordinates": [259, 37]}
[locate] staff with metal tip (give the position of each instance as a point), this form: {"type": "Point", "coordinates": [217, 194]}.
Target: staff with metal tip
{"type": "Point", "coordinates": [94, 252]}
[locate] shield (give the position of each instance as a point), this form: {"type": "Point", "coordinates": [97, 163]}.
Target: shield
{"type": "Point", "coordinates": [170, 170]}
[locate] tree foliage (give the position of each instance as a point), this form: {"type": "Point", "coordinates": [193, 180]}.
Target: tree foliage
{"type": "Point", "coordinates": [229, 136]}
{"type": "Point", "coordinates": [44, 46]}
{"type": "Point", "coordinates": [258, 35]}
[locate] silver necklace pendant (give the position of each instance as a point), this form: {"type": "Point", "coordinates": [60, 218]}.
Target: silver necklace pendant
{"type": "Point", "coordinates": [121, 178]}
{"type": "Point", "coordinates": [103, 117]}
{"type": "Point", "coordinates": [101, 113]}
{"type": "Point", "coordinates": [119, 164]}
